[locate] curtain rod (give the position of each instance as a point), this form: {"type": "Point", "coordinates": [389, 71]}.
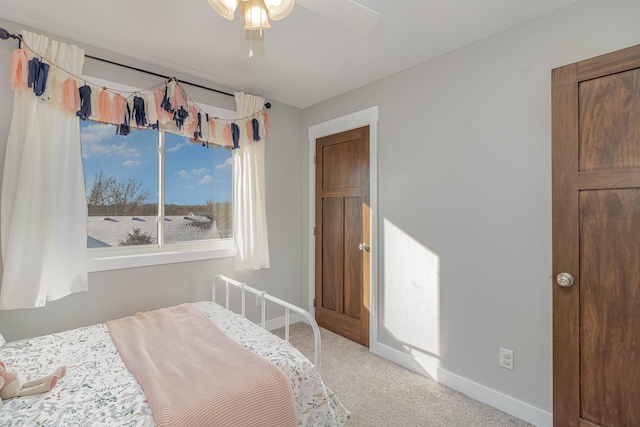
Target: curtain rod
{"type": "Point", "coordinates": [5, 35]}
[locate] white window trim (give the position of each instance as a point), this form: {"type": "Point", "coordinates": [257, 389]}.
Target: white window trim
{"type": "Point", "coordinates": [145, 256]}
{"type": "Point", "coordinates": [106, 259]}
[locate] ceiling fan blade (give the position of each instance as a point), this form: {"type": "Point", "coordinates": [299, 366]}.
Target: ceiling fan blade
{"type": "Point", "coordinates": [346, 13]}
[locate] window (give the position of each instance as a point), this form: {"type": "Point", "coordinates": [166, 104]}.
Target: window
{"type": "Point", "coordinates": [154, 193]}
{"type": "Point", "coordinates": [121, 180]}
{"type": "Point", "coordinates": [197, 191]}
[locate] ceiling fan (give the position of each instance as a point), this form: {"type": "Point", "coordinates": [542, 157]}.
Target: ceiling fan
{"type": "Point", "coordinates": [347, 13]}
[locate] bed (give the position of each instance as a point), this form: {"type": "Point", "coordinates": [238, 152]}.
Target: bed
{"type": "Point", "coordinates": [99, 390]}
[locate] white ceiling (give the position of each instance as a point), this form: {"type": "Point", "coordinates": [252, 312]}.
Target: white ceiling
{"type": "Point", "coordinates": [308, 58]}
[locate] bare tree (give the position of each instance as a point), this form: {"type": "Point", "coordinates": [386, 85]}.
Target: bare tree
{"type": "Point", "coordinates": [99, 194]}
{"type": "Point", "coordinates": [111, 197]}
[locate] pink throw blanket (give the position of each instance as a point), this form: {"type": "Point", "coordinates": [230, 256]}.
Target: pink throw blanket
{"type": "Point", "coordinates": [194, 375]}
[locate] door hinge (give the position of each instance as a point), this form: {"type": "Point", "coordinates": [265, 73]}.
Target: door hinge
{"type": "Point", "coordinates": [314, 302]}
{"type": "Point", "coordinates": [314, 230]}
{"type": "Point", "coordinates": [314, 159]}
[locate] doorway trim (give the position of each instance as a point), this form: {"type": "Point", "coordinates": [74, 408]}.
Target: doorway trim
{"type": "Point", "coordinates": [366, 117]}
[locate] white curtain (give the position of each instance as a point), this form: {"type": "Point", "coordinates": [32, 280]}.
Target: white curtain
{"type": "Point", "coordinates": [249, 209]}
{"type": "Point", "coordinates": [44, 210]}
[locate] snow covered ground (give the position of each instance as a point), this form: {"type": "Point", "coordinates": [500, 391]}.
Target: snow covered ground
{"type": "Point", "coordinates": [108, 231]}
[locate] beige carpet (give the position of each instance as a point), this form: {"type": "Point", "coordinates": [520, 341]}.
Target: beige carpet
{"type": "Point", "coordinates": [378, 392]}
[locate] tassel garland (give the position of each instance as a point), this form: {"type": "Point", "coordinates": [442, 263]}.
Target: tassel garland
{"type": "Point", "coordinates": [153, 108]}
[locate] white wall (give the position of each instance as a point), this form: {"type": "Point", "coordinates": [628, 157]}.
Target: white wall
{"type": "Point", "coordinates": [118, 293]}
{"type": "Point", "coordinates": [464, 181]}
{"type": "Point", "coordinates": [464, 178]}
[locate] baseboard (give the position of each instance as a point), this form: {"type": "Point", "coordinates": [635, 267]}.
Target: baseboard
{"type": "Point", "coordinates": [420, 363]}
{"type": "Point", "coordinates": [508, 404]}
{"type": "Point", "coordinates": [429, 366]}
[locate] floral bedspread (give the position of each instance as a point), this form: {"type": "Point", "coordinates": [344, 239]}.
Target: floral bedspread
{"type": "Point", "coordinates": [98, 390]}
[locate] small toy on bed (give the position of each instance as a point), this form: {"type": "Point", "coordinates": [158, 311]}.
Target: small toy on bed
{"type": "Point", "coordinates": [11, 386]}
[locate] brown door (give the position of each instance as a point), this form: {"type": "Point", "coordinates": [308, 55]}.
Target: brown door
{"type": "Point", "coordinates": [596, 239]}
{"type": "Point", "coordinates": [342, 234]}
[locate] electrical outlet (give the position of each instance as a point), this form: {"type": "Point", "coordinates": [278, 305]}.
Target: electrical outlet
{"type": "Point", "coordinates": [506, 358]}
{"type": "Point", "coordinates": [258, 301]}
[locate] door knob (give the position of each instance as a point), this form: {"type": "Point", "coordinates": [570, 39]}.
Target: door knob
{"type": "Point", "coordinates": [565, 280]}
{"type": "Point", "coordinates": [363, 247]}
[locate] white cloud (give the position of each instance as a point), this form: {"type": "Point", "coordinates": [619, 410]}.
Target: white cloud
{"type": "Point", "coordinates": [178, 146]}
{"type": "Point", "coordinates": [227, 164]}
{"type": "Point", "coordinates": [206, 179]}
{"type": "Point", "coordinates": [189, 187]}
{"type": "Point", "coordinates": [184, 174]}
{"type": "Point", "coordinates": [198, 172]}
{"type": "Point", "coordinates": [95, 139]}
{"type": "Point", "coordinates": [132, 163]}
{"type": "Point", "coordinates": [94, 134]}
{"type": "Point", "coordinates": [109, 150]}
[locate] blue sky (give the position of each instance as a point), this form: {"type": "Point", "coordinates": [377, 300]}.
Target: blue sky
{"type": "Point", "coordinates": [193, 174]}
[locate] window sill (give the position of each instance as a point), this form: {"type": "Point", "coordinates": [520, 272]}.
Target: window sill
{"type": "Point", "coordinates": [105, 260]}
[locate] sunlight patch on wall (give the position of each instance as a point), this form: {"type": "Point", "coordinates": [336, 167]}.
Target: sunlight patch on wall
{"type": "Point", "coordinates": [411, 308]}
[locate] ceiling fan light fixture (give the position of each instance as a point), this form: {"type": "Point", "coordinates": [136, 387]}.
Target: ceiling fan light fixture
{"type": "Point", "coordinates": [225, 8]}
{"type": "Point", "coordinates": [279, 9]}
{"type": "Point", "coordinates": [255, 15]}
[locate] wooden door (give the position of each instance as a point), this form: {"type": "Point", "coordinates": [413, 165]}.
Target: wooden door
{"type": "Point", "coordinates": [342, 234]}
{"type": "Point", "coordinates": [596, 238]}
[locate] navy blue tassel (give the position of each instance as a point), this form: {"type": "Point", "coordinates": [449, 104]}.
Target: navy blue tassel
{"type": "Point", "coordinates": [85, 102]}
{"type": "Point", "coordinates": [180, 116]}
{"type": "Point", "coordinates": [124, 129]}
{"type": "Point", "coordinates": [165, 101]}
{"type": "Point", "coordinates": [235, 134]}
{"type": "Point", "coordinates": [38, 72]}
{"type": "Point", "coordinates": [139, 112]}
{"type": "Point", "coordinates": [33, 71]}
{"type": "Point", "coordinates": [198, 133]}
{"type": "Point", "coordinates": [256, 129]}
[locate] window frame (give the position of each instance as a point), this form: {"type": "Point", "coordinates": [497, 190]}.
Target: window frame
{"type": "Point", "coordinates": [114, 258]}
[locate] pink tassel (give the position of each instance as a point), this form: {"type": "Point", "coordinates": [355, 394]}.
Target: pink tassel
{"type": "Point", "coordinates": [19, 69]}
{"type": "Point", "coordinates": [193, 116]}
{"type": "Point", "coordinates": [70, 96]}
{"type": "Point", "coordinates": [178, 99]}
{"type": "Point", "coordinates": [267, 125]}
{"type": "Point", "coordinates": [212, 130]}
{"type": "Point", "coordinates": [226, 136]}
{"type": "Point", "coordinates": [163, 115]}
{"type": "Point", "coordinates": [104, 107]}
{"type": "Point", "coordinates": [118, 109]}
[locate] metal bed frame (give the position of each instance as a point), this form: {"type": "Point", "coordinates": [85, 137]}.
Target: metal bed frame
{"type": "Point", "coordinates": [244, 288]}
